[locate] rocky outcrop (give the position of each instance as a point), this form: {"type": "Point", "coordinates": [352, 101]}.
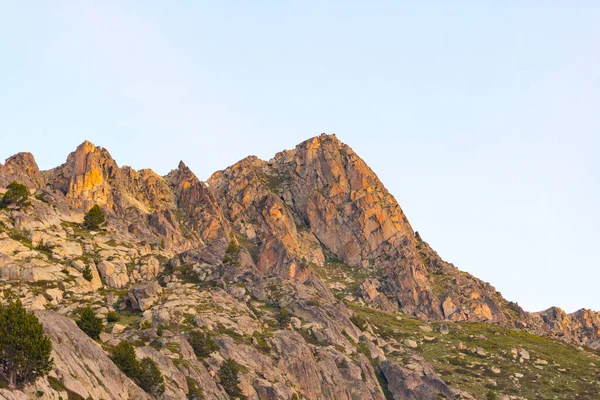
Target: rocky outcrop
{"type": "Point", "coordinates": [352, 214]}
{"type": "Point", "coordinates": [268, 227]}
{"type": "Point", "coordinates": [344, 203]}
{"type": "Point", "coordinates": [21, 168]}
{"type": "Point", "coordinates": [370, 291]}
{"type": "Point", "coordinates": [144, 295]}
{"type": "Point", "coordinates": [312, 219]}
{"type": "Point", "coordinates": [414, 382]}
{"type": "Point", "coordinates": [201, 213]}
{"type": "Point", "coordinates": [86, 177]}
{"type": "Point", "coordinates": [80, 367]}
{"type": "Point", "coordinates": [582, 326]}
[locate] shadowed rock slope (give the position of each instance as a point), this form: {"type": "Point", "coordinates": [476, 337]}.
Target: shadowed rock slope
{"type": "Point", "coordinates": [303, 269]}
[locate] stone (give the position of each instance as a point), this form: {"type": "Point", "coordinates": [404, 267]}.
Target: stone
{"type": "Point", "coordinates": [524, 354]}
{"type": "Point", "coordinates": [80, 362]}
{"type": "Point", "coordinates": [144, 295]}
{"type": "Point", "coordinates": [444, 330]}
{"type": "Point", "coordinates": [55, 294]}
{"type": "Point", "coordinates": [419, 384]}
{"type": "Point", "coordinates": [296, 323]}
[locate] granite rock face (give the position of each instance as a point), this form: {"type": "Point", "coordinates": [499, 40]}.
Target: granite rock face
{"type": "Point", "coordinates": [80, 365]}
{"type": "Point", "coordinates": [21, 168]}
{"type": "Point", "coordinates": [271, 259]}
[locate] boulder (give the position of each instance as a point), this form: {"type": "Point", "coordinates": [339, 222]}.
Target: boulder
{"type": "Point", "coordinates": [144, 295]}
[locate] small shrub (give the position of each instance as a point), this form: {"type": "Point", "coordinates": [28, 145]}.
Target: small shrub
{"type": "Point", "coordinates": [313, 303]}
{"type": "Point", "coordinates": [24, 347]}
{"type": "Point", "coordinates": [490, 395]}
{"type": "Point", "coordinates": [150, 378]}
{"type": "Point", "coordinates": [202, 343]}
{"type": "Point", "coordinates": [146, 325]}
{"type": "Point", "coordinates": [112, 316]}
{"type": "Point", "coordinates": [87, 273]}
{"type": "Point", "coordinates": [159, 330]}
{"type": "Point", "coordinates": [94, 218]}
{"type": "Point", "coordinates": [359, 321]}
{"type": "Point", "coordinates": [228, 376]}
{"type": "Point", "coordinates": [90, 323]}
{"type": "Point", "coordinates": [232, 254]}
{"type": "Point", "coordinates": [16, 194]}
{"type": "Point", "coordinates": [283, 317]}
{"type": "Point", "coordinates": [194, 391]}
{"type": "Point", "coordinates": [44, 248]}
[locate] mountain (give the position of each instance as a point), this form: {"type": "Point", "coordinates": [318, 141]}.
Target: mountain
{"type": "Point", "coordinates": [303, 269]}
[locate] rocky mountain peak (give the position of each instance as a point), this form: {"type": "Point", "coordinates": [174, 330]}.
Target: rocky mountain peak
{"type": "Point", "coordinates": [86, 176]}
{"type": "Point", "coordinates": [22, 168]}
{"type": "Point", "coordinates": [303, 269]}
{"type": "Point", "coordinates": [344, 202]}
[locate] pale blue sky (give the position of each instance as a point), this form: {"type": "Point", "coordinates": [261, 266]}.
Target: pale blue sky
{"type": "Point", "coordinates": [482, 119]}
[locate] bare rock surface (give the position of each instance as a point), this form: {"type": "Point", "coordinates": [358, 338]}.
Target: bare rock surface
{"type": "Point", "coordinates": [302, 269]}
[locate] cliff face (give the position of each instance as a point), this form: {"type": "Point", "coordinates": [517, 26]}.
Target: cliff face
{"type": "Point", "coordinates": [318, 235]}
{"type": "Point", "coordinates": [21, 168]}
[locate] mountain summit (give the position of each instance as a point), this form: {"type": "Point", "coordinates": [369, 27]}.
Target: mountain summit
{"type": "Point", "coordinates": [279, 260]}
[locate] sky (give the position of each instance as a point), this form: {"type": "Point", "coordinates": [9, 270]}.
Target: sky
{"type": "Point", "coordinates": [481, 118]}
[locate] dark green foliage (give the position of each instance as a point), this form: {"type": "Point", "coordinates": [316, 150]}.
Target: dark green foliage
{"type": "Point", "coordinates": [90, 323]}
{"type": "Point", "coordinates": [232, 254]}
{"type": "Point", "coordinates": [24, 347]}
{"type": "Point", "coordinates": [490, 395]}
{"type": "Point", "coordinates": [359, 321]}
{"type": "Point", "coordinates": [94, 218]}
{"type": "Point", "coordinates": [87, 273]}
{"type": "Point", "coordinates": [283, 317]}
{"type": "Point", "coordinates": [123, 355]}
{"type": "Point", "coordinates": [145, 373]}
{"type": "Point", "coordinates": [202, 343]}
{"type": "Point", "coordinates": [150, 378]}
{"type": "Point", "coordinates": [44, 248]}
{"type": "Point", "coordinates": [228, 376]}
{"type": "Point", "coordinates": [112, 316]}
{"type": "Point", "coordinates": [60, 387]}
{"type": "Point", "coordinates": [16, 194]}
{"type": "Point", "coordinates": [194, 391]}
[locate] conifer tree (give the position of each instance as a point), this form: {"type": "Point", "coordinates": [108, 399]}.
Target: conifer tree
{"type": "Point", "coordinates": [24, 347]}
{"type": "Point", "coordinates": [94, 218]}
{"type": "Point", "coordinates": [90, 323]}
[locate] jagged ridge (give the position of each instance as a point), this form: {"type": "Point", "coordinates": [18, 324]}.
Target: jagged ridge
{"type": "Point", "coordinates": [311, 211]}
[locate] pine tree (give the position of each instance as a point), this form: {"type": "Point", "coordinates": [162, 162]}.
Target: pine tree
{"type": "Point", "coordinates": [94, 218]}
{"type": "Point", "coordinates": [87, 273]}
{"type": "Point", "coordinates": [90, 323]}
{"type": "Point", "coordinates": [283, 318]}
{"type": "Point", "coordinates": [123, 355]}
{"type": "Point", "coordinates": [202, 343]}
{"type": "Point", "coordinates": [16, 194]}
{"type": "Point", "coordinates": [232, 254]}
{"type": "Point", "coordinates": [145, 373]}
{"type": "Point", "coordinates": [228, 376]}
{"type": "Point", "coordinates": [24, 347]}
{"type": "Point", "coordinates": [150, 378]}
